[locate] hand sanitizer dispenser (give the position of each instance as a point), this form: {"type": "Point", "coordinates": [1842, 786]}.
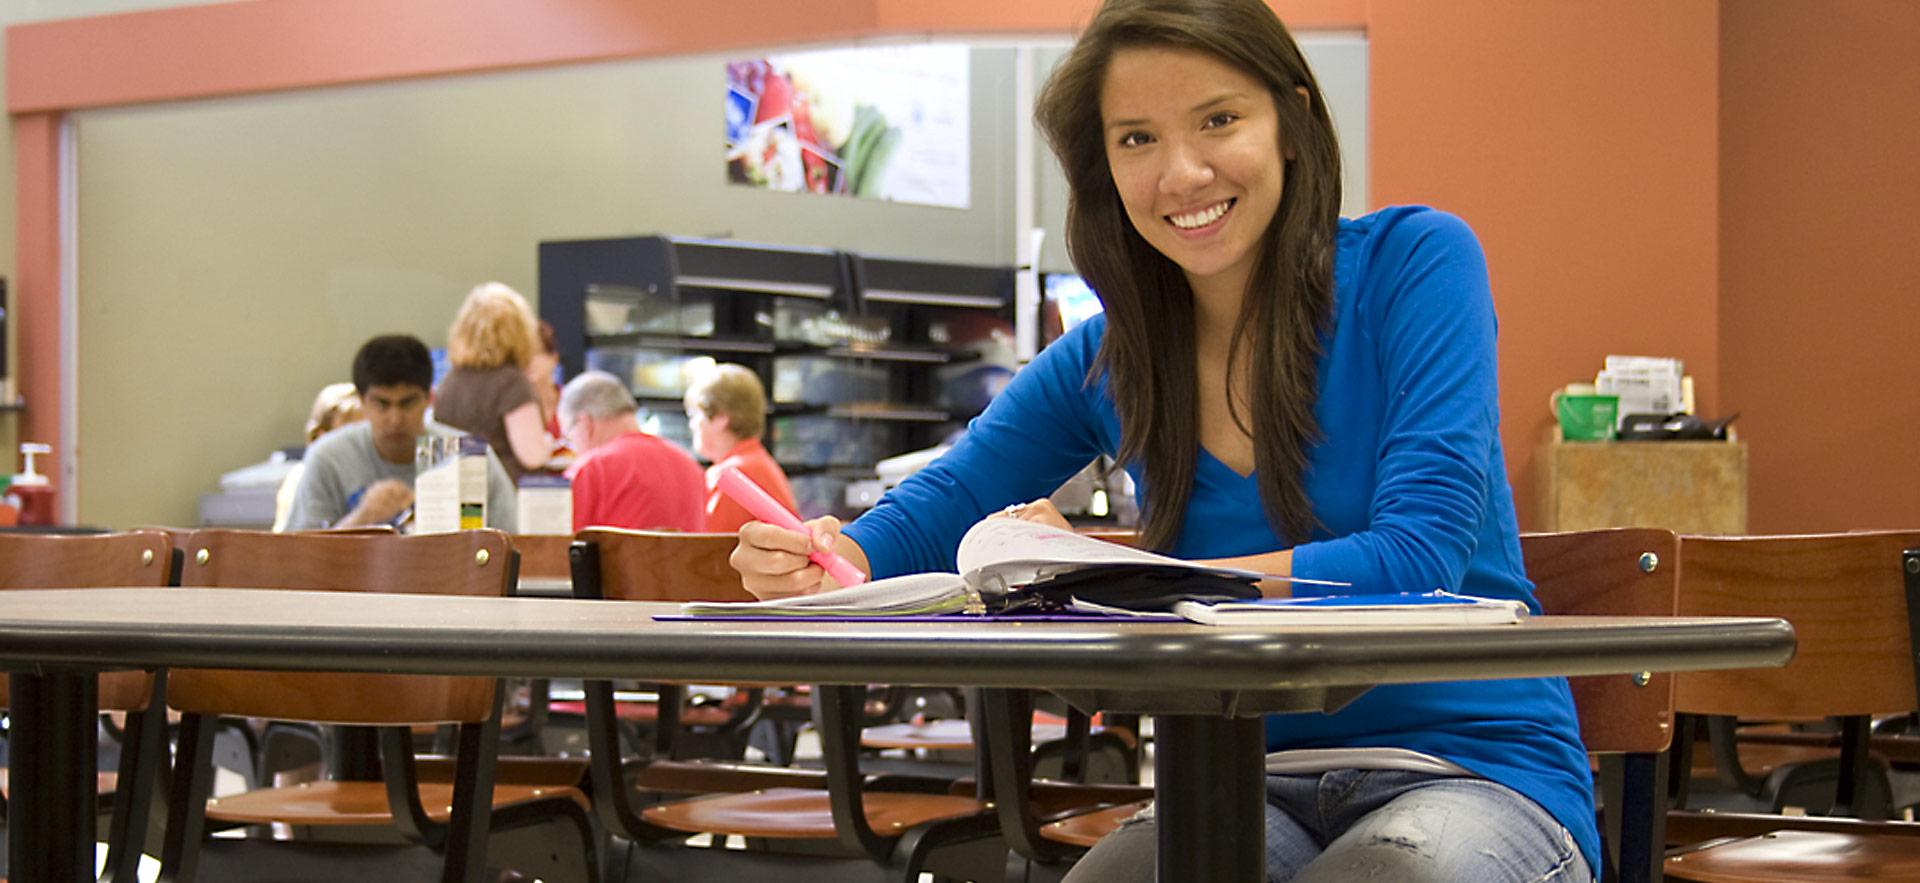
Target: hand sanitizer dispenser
{"type": "Point", "coordinates": [33, 491]}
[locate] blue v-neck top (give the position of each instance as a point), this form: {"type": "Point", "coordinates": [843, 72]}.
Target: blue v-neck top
{"type": "Point", "coordinates": [1409, 485]}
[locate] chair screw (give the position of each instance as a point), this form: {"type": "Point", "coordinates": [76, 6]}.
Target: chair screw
{"type": "Point", "coordinates": [480, 558]}
{"type": "Point", "coordinates": [1913, 565]}
{"type": "Point", "coordinates": [1642, 679]}
{"type": "Point", "coordinates": [1649, 562]}
{"type": "Point", "coordinates": [146, 557]}
{"type": "Point", "coordinates": [202, 556]}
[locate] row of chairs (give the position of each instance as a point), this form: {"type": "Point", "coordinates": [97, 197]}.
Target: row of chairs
{"type": "Point", "coordinates": [1846, 594]}
{"type": "Point", "coordinates": [437, 806]}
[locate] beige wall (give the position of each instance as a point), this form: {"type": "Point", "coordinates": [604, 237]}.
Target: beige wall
{"type": "Point", "coordinates": [236, 251]}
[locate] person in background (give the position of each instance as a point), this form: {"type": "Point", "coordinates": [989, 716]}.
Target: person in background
{"type": "Point", "coordinates": [727, 412]}
{"type": "Point", "coordinates": [624, 477]}
{"type": "Point", "coordinates": [541, 371]}
{"type": "Point", "coordinates": [491, 343]}
{"type": "Point", "coordinates": [1293, 393]}
{"type": "Point", "coordinates": [362, 474]}
{"type": "Point", "coordinates": [337, 405]}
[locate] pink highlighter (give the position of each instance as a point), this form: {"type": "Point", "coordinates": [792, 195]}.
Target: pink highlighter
{"type": "Point", "coordinates": [737, 485]}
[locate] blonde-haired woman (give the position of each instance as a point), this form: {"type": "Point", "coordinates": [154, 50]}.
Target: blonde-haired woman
{"type": "Point", "coordinates": [487, 393]}
{"type": "Point", "coordinates": [727, 413]}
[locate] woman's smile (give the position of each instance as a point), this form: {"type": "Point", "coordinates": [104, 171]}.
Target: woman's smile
{"type": "Point", "coordinates": [1202, 222]}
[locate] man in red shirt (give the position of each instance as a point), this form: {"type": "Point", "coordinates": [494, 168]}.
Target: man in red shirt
{"type": "Point", "coordinates": [727, 412]}
{"type": "Point", "coordinates": [625, 477]}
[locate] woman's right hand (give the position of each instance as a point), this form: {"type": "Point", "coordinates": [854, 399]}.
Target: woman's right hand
{"type": "Point", "coordinates": [773, 561]}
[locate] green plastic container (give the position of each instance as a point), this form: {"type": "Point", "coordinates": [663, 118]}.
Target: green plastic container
{"type": "Point", "coordinates": [1586, 417]}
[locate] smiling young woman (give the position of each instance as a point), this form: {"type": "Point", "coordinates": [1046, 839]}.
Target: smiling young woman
{"type": "Point", "coordinates": [1293, 393]}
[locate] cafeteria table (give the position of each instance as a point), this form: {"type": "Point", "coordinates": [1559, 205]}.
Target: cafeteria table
{"type": "Point", "coordinates": [1206, 685]}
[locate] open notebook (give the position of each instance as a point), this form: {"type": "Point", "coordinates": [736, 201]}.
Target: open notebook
{"type": "Point", "coordinates": [1011, 564]}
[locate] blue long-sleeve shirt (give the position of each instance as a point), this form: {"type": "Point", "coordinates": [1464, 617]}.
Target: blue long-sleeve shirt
{"type": "Point", "coordinates": [1409, 484]}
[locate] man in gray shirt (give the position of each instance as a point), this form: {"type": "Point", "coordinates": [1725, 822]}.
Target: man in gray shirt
{"type": "Point", "coordinates": [362, 475]}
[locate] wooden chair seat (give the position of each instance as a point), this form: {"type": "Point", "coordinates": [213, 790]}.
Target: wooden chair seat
{"type": "Point", "coordinates": [1051, 799]}
{"type": "Point", "coordinates": [546, 772]}
{"type": "Point", "coordinates": [1685, 826]}
{"type": "Point", "coordinates": [1761, 759]}
{"type": "Point", "coordinates": [359, 803]}
{"type": "Point", "coordinates": [1903, 750]}
{"type": "Point", "coordinates": [1087, 828]}
{"type": "Point", "coordinates": [1800, 857]}
{"type": "Point", "coordinates": [803, 813]}
{"type": "Point", "coordinates": [720, 776]}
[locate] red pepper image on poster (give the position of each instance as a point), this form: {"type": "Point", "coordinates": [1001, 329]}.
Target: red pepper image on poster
{"type": "Point", "coordinates": [819, 170]}
{"type": "Point", "coordinates": [776, 97]}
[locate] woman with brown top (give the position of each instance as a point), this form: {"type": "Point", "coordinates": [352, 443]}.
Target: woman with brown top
{"type": "Point", "coordinates": [487, 392]}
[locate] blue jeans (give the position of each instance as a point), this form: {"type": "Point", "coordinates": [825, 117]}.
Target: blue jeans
{"type": "Point", "coordinates": [1379, 825]}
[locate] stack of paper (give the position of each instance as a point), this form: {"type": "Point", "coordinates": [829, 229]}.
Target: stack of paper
{"type": "Point", "coordinates": [1645, 385]}
{"type": "Point", "coordinates": [1429, 608]}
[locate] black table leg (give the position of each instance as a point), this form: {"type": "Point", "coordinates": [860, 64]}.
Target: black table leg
{"type": "Point", "coordinates": [1210, 791]}
{"type": "Point", "coordinates": [51, 752]}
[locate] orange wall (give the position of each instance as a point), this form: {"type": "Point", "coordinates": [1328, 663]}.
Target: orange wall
{"type": "Point", "coordinates": [35, 289]}
{"type": "Point", "coordinates": [1820, 258]}
{"type": "Point", "coordinates": [1579, 140]}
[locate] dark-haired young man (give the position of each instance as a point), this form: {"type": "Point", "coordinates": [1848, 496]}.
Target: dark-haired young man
{"type": "Point", "coordinates": [362, 474]}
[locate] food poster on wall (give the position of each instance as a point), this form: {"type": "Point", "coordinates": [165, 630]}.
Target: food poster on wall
{"type": "Point", "coordinates": [884, 122]}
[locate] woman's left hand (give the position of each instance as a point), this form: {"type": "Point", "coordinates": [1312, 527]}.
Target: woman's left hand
{"type": "Point", "coordinates": [1041, 510]}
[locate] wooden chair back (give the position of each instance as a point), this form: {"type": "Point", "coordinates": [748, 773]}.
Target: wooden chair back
{"type": "Point", "coordinates": [1845, 595]}
{"type": "Point", "coordinates": [1612, 572]}
{"type": "Point", "coordinates": [651, 565]}
{"type": "Point", "coordinates": [135, 558]}
{"type": "Point", "coordinates": [471, 563]}
{"type": "Point", "coordinates": [543, 555]}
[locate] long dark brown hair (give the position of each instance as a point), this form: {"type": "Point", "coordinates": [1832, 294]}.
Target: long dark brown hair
{"type": "Point", "coordinates": [1148, 353]}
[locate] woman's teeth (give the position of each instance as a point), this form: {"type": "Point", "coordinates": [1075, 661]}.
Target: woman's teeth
{"type": "Point", "coordinates": [1202, 217]}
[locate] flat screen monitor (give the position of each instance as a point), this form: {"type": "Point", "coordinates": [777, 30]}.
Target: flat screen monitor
{"type": "Point", "coordinates": [1065, 301]}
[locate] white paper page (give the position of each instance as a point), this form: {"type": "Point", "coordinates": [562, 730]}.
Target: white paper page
{"type": "Point", "coordinates": [996, 541]}
{"type": "Point", "coordinates": [1021, 551]}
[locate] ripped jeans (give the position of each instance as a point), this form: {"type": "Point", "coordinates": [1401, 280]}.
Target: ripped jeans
{"type": "Point", "coordinates": [1388, 825]}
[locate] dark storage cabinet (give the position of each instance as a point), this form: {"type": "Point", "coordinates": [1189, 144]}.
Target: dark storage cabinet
{"type": "Point", "coordinates": [863, 358]}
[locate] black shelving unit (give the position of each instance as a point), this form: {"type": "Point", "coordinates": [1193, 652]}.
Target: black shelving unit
{"type": "Point", "coordinates": [859, 353]}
